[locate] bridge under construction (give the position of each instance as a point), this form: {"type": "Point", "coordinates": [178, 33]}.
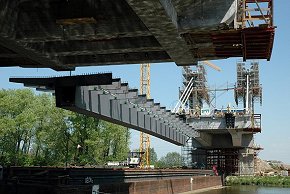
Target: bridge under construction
{"type": "Point", "coordinates": [222, 138]}
{"type": "Point", "coordinates": [63, 35]}
{"type": "Point", "coordinates": [226, 136]}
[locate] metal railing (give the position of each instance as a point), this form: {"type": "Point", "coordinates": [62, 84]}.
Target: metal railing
{"type": "Point", "coordinates": [256, 13]}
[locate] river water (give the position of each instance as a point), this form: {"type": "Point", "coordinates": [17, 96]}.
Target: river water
{"type": "Point", "coordinates": [249, 190]}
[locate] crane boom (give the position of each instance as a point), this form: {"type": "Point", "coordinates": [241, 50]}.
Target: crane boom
{"type": "Point", "coordinates": [210, 64]}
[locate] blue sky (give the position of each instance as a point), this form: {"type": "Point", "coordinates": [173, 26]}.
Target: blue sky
{"type": "Point", "coordinates": [166, 78]}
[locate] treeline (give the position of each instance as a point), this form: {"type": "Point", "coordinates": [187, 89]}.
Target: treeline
{"type": "Point", "coordinates": [34, 132]}
{"type": "Point", "coordinates": [170, 160]}
{"type": "Point", "coordinates": [259, 180]}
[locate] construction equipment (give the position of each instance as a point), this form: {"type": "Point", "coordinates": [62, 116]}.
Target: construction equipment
{"type": "Point", "coordinates": [210, 64]}
{"type": "Point", "coordinates": [248, 89]}
{"type": "Point", "coordinates": [180, 105]}
{"type": "Point", "coordinates": [194, 91]}
{"type": "Point", "coordinates": [145, 138]}
{"type": "Point", "coordinates": [194, 86]}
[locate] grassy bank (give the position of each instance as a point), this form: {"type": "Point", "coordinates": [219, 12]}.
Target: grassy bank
{"type": "Point", "coordinates": [259, 180]}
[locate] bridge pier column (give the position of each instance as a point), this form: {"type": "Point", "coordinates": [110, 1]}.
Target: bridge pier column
{"type": "Point", "coordinates": [205, 139]}
{"type": "Point", "coordinates": [236, 137]}
{"type": "Point", "coordinates": [246, 161]}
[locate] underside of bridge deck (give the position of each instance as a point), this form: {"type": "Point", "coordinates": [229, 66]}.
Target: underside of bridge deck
{"type": "Point", "coordinates": [62, 34]}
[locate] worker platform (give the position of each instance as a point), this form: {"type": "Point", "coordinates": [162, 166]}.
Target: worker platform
{"type": "Point", "coordinates": [63, 35]}
{"type": "Point", "coordinates": [220, 125]}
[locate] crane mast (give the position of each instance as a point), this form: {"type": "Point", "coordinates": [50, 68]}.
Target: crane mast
{"type": "Point", "coordinates": [145, 138]}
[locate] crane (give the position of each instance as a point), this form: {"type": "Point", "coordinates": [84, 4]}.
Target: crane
{"type": "Point", "coordinates": [210, 64]}
{"type": "Point", "coordinates": [145, 138]}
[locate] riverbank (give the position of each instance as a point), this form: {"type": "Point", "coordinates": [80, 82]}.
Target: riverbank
{"type": "Point", "coordinates": [198, 191]}
{"type": "Point", "coordinates": [243, 189]}
{"type": "Point", "coordinates": [279, 181]}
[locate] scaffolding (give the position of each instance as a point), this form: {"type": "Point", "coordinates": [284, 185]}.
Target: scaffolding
{"type": "Point", "coordinates": [230, 159]}
{"type": "Point", "coordinates": [225, 160]}
{"type": "Point", "coordinates": [186, 153]}
{"type": "Point", "coordinates": [198, 93]}
{"type": "Point", "coordinates": [255, 13]}
{"type": "Point", "coordinates": [193, 94]}
{"type": "Point", "coordinates": [248, 90]}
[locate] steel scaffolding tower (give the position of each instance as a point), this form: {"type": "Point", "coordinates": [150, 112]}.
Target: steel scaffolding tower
{"type": "Point", "coordinates": [186, 153]}
{"type": "Point", "coordinates": [193, 94]}
{"type": "Point", "coordinates": [194, 91]}
{"type": "Point", "coordinates": [248, 89]}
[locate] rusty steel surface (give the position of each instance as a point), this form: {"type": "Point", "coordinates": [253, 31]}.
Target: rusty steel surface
{"type": "Point", "coordinates": [91, 175]}
{"type": "Point", "coordinates": [249, 43]}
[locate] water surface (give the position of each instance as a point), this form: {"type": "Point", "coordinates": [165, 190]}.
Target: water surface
{"type": "Point", "coordinates": [249, 190]}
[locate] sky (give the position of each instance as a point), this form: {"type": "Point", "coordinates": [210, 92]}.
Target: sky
{"type": "Point", "coordinates": [166, 78]}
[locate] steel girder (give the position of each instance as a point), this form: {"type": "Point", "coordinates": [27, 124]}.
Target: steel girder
{"type": "Point", "coordinates": [111, 100]}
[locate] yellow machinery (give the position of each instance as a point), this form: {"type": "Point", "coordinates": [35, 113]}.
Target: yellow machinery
{"type": "Point", "coordinates": [145, 138]}
{"type": "Point", "coordinates": [210, 64]}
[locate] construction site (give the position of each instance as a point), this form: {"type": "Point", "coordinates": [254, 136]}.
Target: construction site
{"type": "Point", "coordinates": [225, 137]}
{"type": "Point", "coordinates": [64, 35]}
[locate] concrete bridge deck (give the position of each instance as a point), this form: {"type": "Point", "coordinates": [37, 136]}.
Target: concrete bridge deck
{"type": "Point", "coordinates": [65, 34]}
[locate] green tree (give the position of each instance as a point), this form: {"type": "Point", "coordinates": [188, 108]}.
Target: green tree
{"type": "Point", "coordinates": [98, 141]}
{"type": "Point", "coordinates": [34, 132]}
{"type": "Point", "coordinates": [153, 156]}
{"type": "Point", "coordinates": [114, 142]}
{"type": "Point", "coordinates": [48, 145]}
{"type": "Point", "coordinates": [17, 121]}
{"type": "Point", "coordinates": [82, 128]}
{"type": "Point", "coordinates": [172, 159]}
